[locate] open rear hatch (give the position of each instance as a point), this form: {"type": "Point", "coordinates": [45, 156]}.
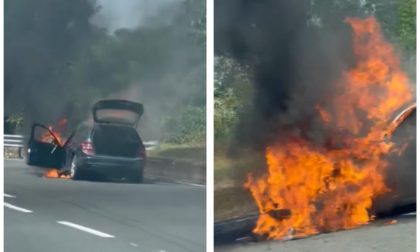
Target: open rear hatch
{"type": "Point", "coordinates": [115, 128]}
{"type": "Point", "coordinates": [118, 112]}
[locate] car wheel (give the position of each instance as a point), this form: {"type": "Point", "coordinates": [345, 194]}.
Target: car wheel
{"type": "Point", "coordinates": [75, 173]}
{"type": "Point", "coordinates": [136, 178]}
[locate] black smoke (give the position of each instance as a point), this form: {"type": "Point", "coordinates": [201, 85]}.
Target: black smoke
{"type": "Point", "coordinates": [292, 62]}
{"type": "Point", "coordinates": [42, 41]}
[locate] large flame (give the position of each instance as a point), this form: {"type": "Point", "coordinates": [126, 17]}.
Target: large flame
{"type": "Point", "coordinates": [55, 133]}
{"type": "Point", "coordinates": [310, 187]}
{"type": "Point", "coordinates": [53, 173]}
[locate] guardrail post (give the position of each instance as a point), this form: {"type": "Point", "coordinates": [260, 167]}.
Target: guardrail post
{"type": "Point", "coordinates": [15, 141]}
{"type": "Point", "coordinates": [20, 152]}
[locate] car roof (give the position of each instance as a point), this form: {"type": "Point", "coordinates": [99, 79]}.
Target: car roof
{"type": "Point", "coordinates": [84, 124]}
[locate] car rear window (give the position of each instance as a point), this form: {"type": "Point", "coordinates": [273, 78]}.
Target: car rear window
{"type": "Point", "coordinates": [117, 133]}
{"type": "Point", "coordinates": [116, 141]}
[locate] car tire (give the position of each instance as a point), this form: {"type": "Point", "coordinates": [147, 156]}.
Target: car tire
{"type": "Point", "coordinates": [75, 172]}
{"type": "Point", "coordinates": [136, 178]}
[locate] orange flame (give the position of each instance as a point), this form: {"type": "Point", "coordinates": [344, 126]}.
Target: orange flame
{"type": "Point", "coordinates": [55, 134]}
{"type": "Point", "coordinates": [63, 122]}
{"type": "Point", "coordinates": [327, 189]}
{"type": "Point", "coordinates": [391, 222]}
{"type": "Point", "coordinates": [53, 173]}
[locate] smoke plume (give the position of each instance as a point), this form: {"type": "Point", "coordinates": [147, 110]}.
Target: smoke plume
{"type": "Point", "coordinates": [131, 14]}
{"type": "Point", "coordinates": [292, 63]}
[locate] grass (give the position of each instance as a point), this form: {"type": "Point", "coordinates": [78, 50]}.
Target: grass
{"type": "Point", "coordinates": [11, 152]}
{"type": "Point", "coordinates": [196, 154]}
{"type": "Point", "coordinates": [223, 171]}
{"type": "Point", "coordinates": [235, 170]}
{"type": "Point", "coordinates": [231, 200]}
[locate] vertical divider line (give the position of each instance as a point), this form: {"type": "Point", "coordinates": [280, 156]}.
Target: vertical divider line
{"type": "Point", "coordinates": [210, 126]}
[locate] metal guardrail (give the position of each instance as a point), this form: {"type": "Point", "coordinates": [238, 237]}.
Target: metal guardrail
{"type": "Point", "coordinates": [15, 141]}
{"type": "Point", "coordinates": [18, 141]}
{"type": "Point", "coordinates": [150, 145]}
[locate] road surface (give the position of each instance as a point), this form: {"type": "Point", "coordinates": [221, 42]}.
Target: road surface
{"type": "Point", "coordinates": [51, 215]}
{"type": "Point", "coordinates": [380, 236]}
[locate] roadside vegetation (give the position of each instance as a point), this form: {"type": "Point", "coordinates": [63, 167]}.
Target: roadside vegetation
{"type": "Point", "coordinates": [58, 63]}
{"type": "Point", "coordinates": [233, 94]}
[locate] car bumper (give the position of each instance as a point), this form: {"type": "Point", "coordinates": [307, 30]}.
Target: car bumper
{"type": "Point", "coordinates": [105, 164]}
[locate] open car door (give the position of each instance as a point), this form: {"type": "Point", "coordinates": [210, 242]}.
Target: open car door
{"type": "Point", "coordinates": [121, 112]}
{"type": "Point", "coordinates": [44, 149]}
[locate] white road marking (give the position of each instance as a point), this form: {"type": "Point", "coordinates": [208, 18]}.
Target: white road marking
{"type": "Point", "coordinates": [174, 181]}
{"type": "Point", "coordinates": [413, 213]}
{"type": "Point", "coordinates": [150, 177]}
{"type": "Point", "coordinates": [9, 196]}
{"type": "Point", "coordinates": [191, 184]}
{"type": "Point", "coordinates": [86, 229]}
{"type": "Point", "coordinates": [17, 208]}
{"type": "Point", "coordinates": [133, 244]}
{"type": "Point", "coordinates": [164, 183]}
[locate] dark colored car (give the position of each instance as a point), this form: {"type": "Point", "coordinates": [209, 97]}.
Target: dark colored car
{"type": "Point", "coordinates": [401, 173]}
{"type": "Point", "coordinates": [110, 147]}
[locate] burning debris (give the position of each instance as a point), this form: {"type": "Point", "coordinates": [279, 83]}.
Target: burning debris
{"type": "Point", "coordinates": [391, 222]}
{"type": "Point", "coordinates": [53, 173]}
{"type": "Point", "coordinates": [330, 184]}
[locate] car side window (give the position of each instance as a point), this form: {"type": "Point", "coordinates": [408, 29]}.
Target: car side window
{"type": "Point", "coordinates": [84, 133]}
{"type": "Point", "coordinates": [79, 136]}
{"type": "Point", "coordinates": [74, 139]}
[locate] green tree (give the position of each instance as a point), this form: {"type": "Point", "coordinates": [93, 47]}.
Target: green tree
{"type": "Point", "coordinates": [406, 30]}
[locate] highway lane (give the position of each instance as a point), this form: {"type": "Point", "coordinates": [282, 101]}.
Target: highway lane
{"type": "Point", "coordinates": [380, 236]}
{"type": "Point", "coordinates": [91, 216]}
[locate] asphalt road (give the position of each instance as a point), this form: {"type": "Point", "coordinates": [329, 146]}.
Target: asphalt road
{"type": "Point", "coordinates": [52, 215]}
{"type": "Point", "coordinates": [380, 236]}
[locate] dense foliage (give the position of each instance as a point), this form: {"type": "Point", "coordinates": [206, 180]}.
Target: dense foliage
{"type": "Point", "coordinates": [233, 91]}
{"type": "Point", "coordinates": [57, 63]}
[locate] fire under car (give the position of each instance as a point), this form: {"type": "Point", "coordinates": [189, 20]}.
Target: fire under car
{"type": "Point", "coordinates": [108, 148]}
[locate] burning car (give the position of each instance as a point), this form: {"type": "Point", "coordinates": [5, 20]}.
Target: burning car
{"type": "Point", "coordinates": [110, 147]}
{"type": "Point", "coordinates": [356, 158]}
